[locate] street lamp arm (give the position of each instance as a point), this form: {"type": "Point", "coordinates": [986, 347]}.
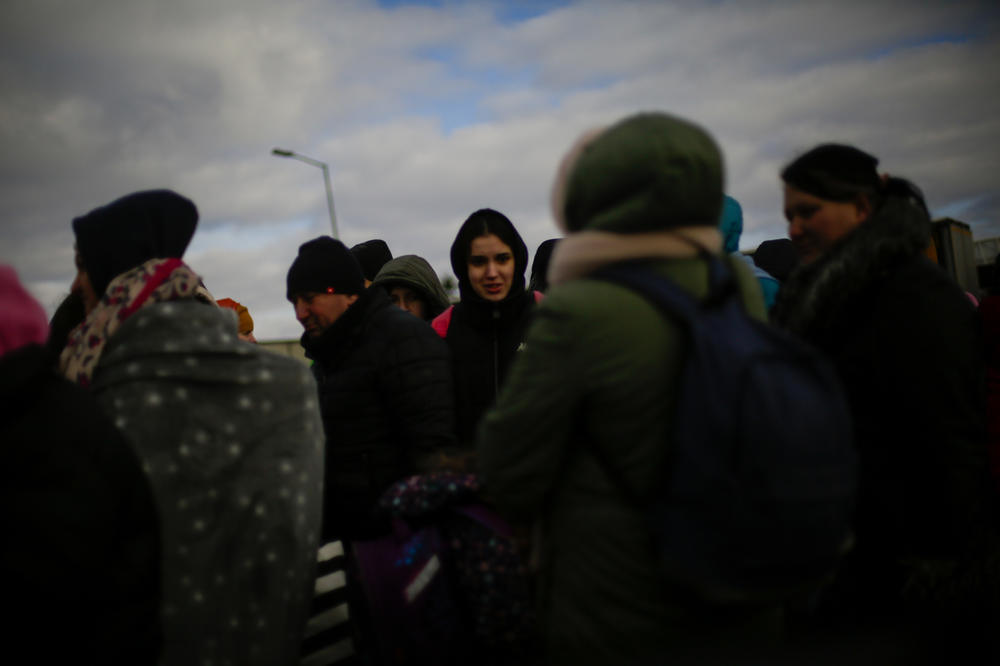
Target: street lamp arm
{"type": "Point", "coordinates": [281, 152]}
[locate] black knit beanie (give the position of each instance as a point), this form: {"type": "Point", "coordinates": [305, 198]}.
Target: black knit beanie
{"type": "Point", "coordinates": [132, 230]}
{"type": "Point", "coordinates": [324, 263]}
{"type": "Point", "coordinates": [834, 172]}
{"type": "Point", "coordinates": [372, 256]}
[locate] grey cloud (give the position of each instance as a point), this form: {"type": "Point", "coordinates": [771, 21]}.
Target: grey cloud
{"type": "Point", "coordinates": [102, 98]}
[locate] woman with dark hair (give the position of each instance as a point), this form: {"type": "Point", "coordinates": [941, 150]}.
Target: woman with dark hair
{"type": "Point", "coordinates": [905, 342]}
{"type": "Point", "coordinates": [488, 325]}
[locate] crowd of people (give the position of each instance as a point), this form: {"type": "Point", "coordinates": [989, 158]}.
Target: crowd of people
{"type": "Point", "coordinates": [176, 494]}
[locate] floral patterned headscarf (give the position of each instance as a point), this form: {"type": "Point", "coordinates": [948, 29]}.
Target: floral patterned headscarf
{"type": "Point", "coordinates": [155, 281]}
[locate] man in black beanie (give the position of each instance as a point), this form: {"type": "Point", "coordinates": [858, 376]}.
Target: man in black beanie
{"type": "Point", "coordinates": [386, 397]}
{"type": "Point", "coordinates": [324, 280]}
{"type": "Point", "coordinates": [384, 378]}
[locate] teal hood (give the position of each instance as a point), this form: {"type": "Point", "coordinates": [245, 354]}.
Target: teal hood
{"type": "Point", "coordinates": [731, 224]}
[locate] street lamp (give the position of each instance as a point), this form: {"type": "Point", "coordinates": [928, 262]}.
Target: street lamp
{"type": "Point", "coordinates": [280, 152]}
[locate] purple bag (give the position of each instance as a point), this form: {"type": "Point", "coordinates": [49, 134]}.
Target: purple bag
{"type": "Point", "coordinates": [446, 585]}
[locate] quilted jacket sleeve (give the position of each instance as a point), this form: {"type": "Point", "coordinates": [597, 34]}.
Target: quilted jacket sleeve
{"type": "Point", "coordinates": [418, 385]}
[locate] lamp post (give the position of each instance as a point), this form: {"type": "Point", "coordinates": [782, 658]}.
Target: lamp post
{"type": "Point", "coordinates": [280, 152]}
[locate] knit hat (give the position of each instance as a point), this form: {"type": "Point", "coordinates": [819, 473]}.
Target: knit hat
{"type": "Point", "coordinates": [372, 256]}
{"type": "Point", "coordinates": [132, 230]}
{"type": "Point", "coordinates": [648, 172]}
{"type": "Point", "coordinates": [246, 321]}
{"type": "Point", "coordinates": [24, 321]}
{"type": "Point", "coordinates": [834, 172]}
{"type": "Point", "coordinates": [324, 265]}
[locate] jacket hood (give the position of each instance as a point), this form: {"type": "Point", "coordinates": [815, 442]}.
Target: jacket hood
{"type": "Point", "coordinates": [649, 172]}
{"type": "Point", "coordinates": [540, 266]}
{"type": "Point", "coordinates": [414, 272]}
{"type": "Point", "coordinates": [23, 322]}
{"type": "Point", "coordinates": [731, 224]}
{"type": "Point", "coordinates": [481, 223]}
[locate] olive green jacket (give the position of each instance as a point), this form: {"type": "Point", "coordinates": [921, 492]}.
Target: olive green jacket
{"type": "Point", "coordinates": [599, 368]}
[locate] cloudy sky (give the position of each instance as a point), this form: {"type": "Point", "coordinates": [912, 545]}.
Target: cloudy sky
{"type": "Point", "coordinates": [426, 111]}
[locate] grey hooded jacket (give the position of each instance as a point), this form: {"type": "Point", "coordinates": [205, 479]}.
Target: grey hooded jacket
{"type": "Point", "coordinates": [414, 272]}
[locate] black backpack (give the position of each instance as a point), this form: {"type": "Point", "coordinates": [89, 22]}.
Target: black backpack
{"type": "Point", "coordinates": [758, 492]}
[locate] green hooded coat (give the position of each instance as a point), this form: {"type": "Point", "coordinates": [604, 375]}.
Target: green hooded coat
{"type": "Point", "coordinates": [600, 368]}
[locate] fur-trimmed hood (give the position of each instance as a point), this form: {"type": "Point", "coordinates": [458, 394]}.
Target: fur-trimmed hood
{"type": "Point", "coordinates": [584, 252]}
{"type": "Point", "coordinates": [816, 295]}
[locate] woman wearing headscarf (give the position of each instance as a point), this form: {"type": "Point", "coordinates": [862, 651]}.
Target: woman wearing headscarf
{"type": "Point", "coordinates": [487, 327]}
{"type": "Point", "coordinates": [904, 340]}
{"type": "Point", "coordinates": [228, 434]}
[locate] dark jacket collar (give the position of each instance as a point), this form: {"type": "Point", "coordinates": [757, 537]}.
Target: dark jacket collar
{"type": "Point", "coordinates": [480, 312]}
{"type": "Point", "coordinates": [335, 341]}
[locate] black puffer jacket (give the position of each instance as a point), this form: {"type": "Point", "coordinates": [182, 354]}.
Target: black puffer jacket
{"type": "Point", "coordinates": [387, 402]}
{"type": "Point", "coordinates": [80, 564]}
{"type": "Point", "coordinates": [904, 339]}
{"type": "Point", "coordinates": [483, 336]}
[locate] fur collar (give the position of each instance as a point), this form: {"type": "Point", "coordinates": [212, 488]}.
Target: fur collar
{"type": "Point", "coordinates": [816, 295]}
{"type": "Point", "coordinates": [582, 253]}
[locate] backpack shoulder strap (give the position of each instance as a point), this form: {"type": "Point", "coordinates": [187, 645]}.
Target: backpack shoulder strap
{"type": "Point", "coordinates": [669, 299]}
{"type": "Point", "coordinates": [666, 295]}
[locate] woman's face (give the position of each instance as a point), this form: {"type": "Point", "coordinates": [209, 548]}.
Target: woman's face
{"type": "Point", "coordinates": [409, 300]}
{"type": "Point", "coordinates": [491, 267]}
{"type": "Point", "coordinates": [815, 224]}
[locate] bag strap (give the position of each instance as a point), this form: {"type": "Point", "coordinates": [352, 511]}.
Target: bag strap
{"type": "Point", "coordinates": [662, 293]}
{"type": "Point", "coordinates": [672, 301]}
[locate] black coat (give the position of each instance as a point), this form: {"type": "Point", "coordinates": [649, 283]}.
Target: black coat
{"type": "Point", "coordinates": [80, 562]}
{"type": "Point", "coordinates": [484, 338]}
{"type": "Point", "coordinates": [904, 339]}
{"type": "Point", "coordinates": [483, 335]}
{"type": "Point", "coordinates": [386, 397]}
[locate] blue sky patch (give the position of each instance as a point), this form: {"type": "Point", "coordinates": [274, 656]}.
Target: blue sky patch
{"type": "Point", "coordinates": [507, 12]}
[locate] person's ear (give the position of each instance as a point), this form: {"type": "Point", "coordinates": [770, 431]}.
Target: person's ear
{"type": "Point", "coordinates": [863, 205]}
